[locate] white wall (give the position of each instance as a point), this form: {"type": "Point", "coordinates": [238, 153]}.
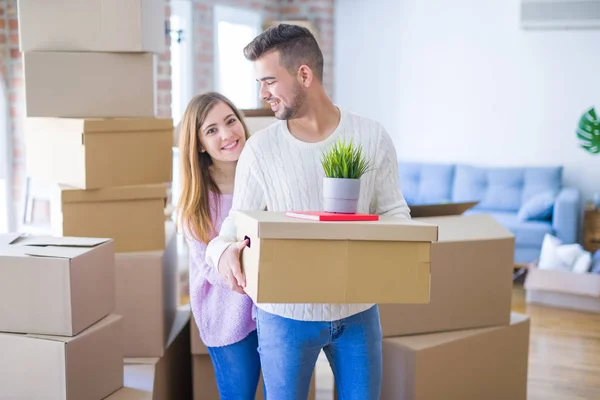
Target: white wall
{"type": "Point", "coordinates": [459, 81]}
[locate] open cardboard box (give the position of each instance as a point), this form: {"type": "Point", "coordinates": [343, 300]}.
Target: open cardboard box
{"type": "Point", "coordinates": [441, 209]}
{"type": "Point", "coordinates": [133, 216]}
{"type": "Point", "coordinates": [487, 363]}
{"type": "Point", "coordinates": [86, 366]}
{"type": "Point", "coordinates": [55, 285]}
{"type": "Point", "coordinates": [471, 279]}
{"type": "Point", "coordinates": [96, 153]}
{"type": "Point", "coordinates": [92, 26]}
{"type": "Point", "coordinates": [147, 296]}
{"type": "Point", "coordinates": [563, 289]}
{"type": "Point", "coordinates": [291, 260]}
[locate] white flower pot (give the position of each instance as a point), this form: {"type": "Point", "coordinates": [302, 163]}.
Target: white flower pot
{"type": "Point", "coordinates": [340, 195]}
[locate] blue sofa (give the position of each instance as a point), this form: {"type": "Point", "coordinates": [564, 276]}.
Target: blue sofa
{"type": "Point", "coordinates": [528, 201]}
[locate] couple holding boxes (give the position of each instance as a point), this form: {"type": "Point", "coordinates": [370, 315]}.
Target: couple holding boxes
{"type": "Point", "coordinates": [277, 170]}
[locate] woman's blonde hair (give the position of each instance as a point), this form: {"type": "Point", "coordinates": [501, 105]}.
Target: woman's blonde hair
{"type": "Point", "coordinates": [197, 184]}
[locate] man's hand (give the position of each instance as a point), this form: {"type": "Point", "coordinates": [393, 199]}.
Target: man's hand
{"type": "Point", "coordinates": [230, 269]}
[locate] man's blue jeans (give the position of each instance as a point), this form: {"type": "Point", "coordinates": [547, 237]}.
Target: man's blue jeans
{"type": "Point", "coordinates": [289, 350]}
{"type": "Point", "coordinates": [237, 368]}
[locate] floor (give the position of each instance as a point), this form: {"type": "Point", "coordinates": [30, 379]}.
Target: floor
{"type": "Point", "coordinates": [564, 354]}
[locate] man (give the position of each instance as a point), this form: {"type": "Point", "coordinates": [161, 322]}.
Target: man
{"type": "Point", "coordinates": [280, 170]}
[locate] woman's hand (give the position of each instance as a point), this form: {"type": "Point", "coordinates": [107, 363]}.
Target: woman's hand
{"type": "Point", "coordinates": [230, 267]}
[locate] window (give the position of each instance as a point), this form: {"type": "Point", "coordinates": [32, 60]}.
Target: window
{"type": "Point", "coordinates": [181, 57]}
{"type": "Point", "coordinates": [234, 75]}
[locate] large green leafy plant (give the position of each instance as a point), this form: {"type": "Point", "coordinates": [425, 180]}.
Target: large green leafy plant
{"type": "Point", "coordinates": [345, 160]}
{"type": "Point", "coordinates": [588, 132]}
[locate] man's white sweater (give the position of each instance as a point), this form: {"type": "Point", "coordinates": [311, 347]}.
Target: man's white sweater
{"type": "Point", "coordinates": [278, 172]}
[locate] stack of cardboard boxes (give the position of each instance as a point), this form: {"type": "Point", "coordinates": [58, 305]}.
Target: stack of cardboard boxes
{"type": "Point", "coordinates": [91, 130]}
{"type": "Point", "coordinates": [465, 343]}
{"type": "Point", "coordinates": [59, 336]}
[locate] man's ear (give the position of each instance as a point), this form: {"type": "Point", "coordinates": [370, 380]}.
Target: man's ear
{"type": "Point", "coordinates": [305, 75]}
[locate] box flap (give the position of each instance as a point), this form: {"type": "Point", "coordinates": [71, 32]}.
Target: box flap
{"type": "Point", "coordinates": [60, 241]}
{"type": "Point", "coordinates": [182, 318]}
{"type": "Point", "coordinates": [563, 282]}
{"type": "Point", "coordinates": [66, 339]}
{"type": "Point", "coordinates": [49, 246]}
{"type": "Point", "coordinates": [435, 210]}
{"type": "Point", "coordinates": [469, 227]}
{"type": "Point", "coordinates": [141, 192]}
{"type": "Point", "coordinates": [276, 225]}
{"type": "Point", "coordinates": [8, 238]}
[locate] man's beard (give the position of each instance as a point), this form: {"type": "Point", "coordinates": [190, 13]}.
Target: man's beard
{"type": "Point", "coordinates": [287, 113]}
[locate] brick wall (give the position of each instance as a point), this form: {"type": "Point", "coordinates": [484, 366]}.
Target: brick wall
{"type": "Point", "coordinates": [12, 74]}
{"type": "Point", "coordinates": [319, 12]}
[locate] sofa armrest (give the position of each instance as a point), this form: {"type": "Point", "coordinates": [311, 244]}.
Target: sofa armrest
{"type": "Point", "coordinates": [566, 215]}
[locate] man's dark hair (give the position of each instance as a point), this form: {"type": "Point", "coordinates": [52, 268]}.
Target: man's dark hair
{"type": "Point", "coordinates": [296, 46]}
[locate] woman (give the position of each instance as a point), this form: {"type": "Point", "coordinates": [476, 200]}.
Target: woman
{"type": "Point", "coordinates": [212, 135]}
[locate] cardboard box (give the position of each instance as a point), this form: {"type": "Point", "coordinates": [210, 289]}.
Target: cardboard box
{"type": "Point", "coordinates": [55, 285]}
{"type": "Point", "coordinates": [131, 215]}
{"type": "Point", "coordinates": [198, 347]}
{"type": "Point", "coordinates": [168, 377]}
{"type": "Point", "coordinates": [87, 366]}
{"type": "Point", "coordinates": [99, 153]}
{"type": "Point", "coordinates": [292, 260]}
{"type": "Point", "coordinates": [442, 209]}
{"type": "Point", "coordinates": [563, 289]}
{"type": "Point", "coordinates": [147, 297]}
{"type": "Point", "coordinates": [85, 85]}
{"type": "Point", "coordinates": [471, 279]}
{"type": "Point", "coordinates": [92, 25]}
{"type": "Point", "coordinates": [488, 363]}
{"type": "Point", "coordinates": [205, 384]}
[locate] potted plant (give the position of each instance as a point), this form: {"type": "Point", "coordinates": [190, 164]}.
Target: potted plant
{"type": "Point", "coordinates": [344, 164]}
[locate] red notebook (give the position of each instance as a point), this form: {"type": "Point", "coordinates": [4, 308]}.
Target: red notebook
{"type": "Point", "coordinates": [328, 216]}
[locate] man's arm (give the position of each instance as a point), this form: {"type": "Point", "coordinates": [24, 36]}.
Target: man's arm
{"type": "Point", "coordinates": [388, 198]}
{"type": "Point", "coordinates": [248, 195]}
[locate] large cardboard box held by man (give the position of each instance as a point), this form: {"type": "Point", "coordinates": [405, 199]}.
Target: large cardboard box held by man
{"type": "Point", "coordinates": [132, 215]}
{"type": "Point", "coordinates": [87, 366]}
{"type": "Point", "coordinates": [146, 297]}
{"type": "Point", "coordinates": [471, 279]}
{"type": "Point", "coordinates": [293, 260]}
{"type": "Point", "coordinates": [92, 25]}
{"type": "Point", "coordinates": [90, 84]}
{"type": "Point", "coordinates": [487, 363]}
{"type": "Point", "coordinates": [55, 285]}
{"type": "Point", "coordinates": [164, 378]}
{"type": "Point", "coordinates": [563, 289]}
{"type": "Point", "coordinates": [97, 153]}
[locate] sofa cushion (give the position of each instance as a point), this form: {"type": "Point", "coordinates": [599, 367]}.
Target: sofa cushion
{"type": "Point", "coordinates": [527, 233]}
{"type": "Point", "coordinates": [503, 188]}
{"type": "Point", "coordinates": [424, 183]}
{"type": "Point", "coordinates": [538, 207]}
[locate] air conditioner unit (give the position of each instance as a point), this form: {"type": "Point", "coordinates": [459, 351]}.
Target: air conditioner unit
{"type": "Point", "coordinates": [560, 14]}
